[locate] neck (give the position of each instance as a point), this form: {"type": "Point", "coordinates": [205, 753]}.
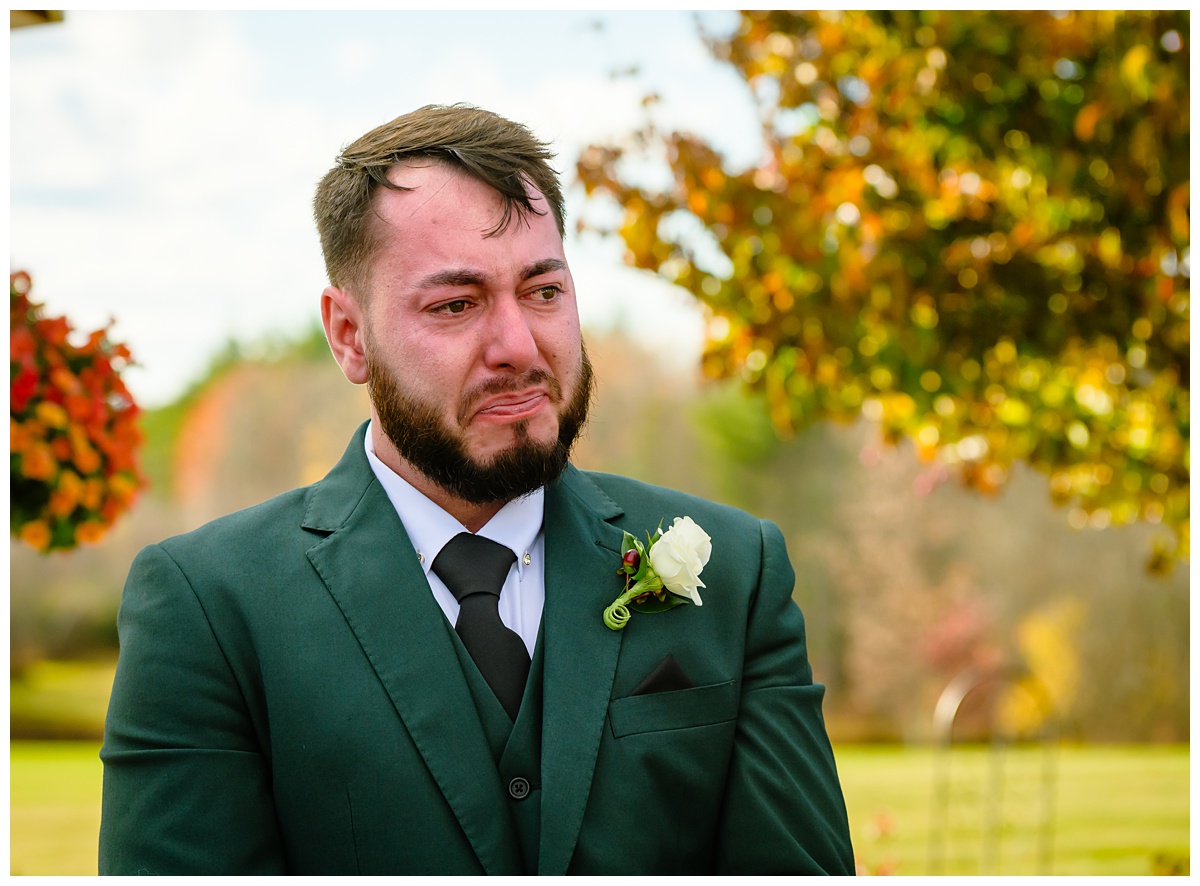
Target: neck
{"type": "Point", "coordinates": [472, 516]}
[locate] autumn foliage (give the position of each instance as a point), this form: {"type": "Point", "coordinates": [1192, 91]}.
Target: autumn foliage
{"type": "Point", "coordinates": [73, 425]}
{"type": "Point", "coordinates": [972, 227]}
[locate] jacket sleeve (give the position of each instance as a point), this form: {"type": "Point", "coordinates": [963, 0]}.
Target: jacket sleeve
{"type": "Point", "coordinates": [187, 788]}
{"type": "Point", "coordinates": [784, 811]}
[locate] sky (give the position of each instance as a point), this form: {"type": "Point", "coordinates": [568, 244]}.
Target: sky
{"type": "Point", "coordinates": [162, 164]}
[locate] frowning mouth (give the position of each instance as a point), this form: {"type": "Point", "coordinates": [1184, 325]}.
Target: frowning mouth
{"type": "Point", "coordinates": [513, 407]}
{"type": "Point", "coordinates": [511, 399]}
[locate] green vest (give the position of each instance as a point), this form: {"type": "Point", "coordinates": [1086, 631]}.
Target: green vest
{"type": "Point", "coordinates": [516, 748]}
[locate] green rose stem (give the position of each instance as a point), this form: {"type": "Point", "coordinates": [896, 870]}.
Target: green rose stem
{"type": "Point", "coordinates": [616, 616]}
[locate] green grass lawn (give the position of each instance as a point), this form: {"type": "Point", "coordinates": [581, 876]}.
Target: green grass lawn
{"type": "Point", "coordinates": [1117, 810]}
{"type": "Point", "coordinates": [54, 807]}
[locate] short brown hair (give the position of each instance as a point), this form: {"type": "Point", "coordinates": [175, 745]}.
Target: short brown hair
{"type": "Point", "coordinates": [487, 147]}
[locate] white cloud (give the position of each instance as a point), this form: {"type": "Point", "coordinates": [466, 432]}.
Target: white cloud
{"type": "Point", "coordinates": [352, 58]}
{"type": "Point", "coordinates": [185, 199]}
{"type": "Point", "coordinates": [163, 164]}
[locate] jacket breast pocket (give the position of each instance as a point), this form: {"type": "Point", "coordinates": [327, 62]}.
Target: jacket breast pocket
{"type": "Point", "coordinates": [678, 709]}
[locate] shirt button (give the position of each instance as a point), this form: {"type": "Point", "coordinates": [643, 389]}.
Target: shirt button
{"type": "Point", "coordinates": [518, 788]}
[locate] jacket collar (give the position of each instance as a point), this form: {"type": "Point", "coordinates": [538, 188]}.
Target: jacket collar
{"type": "Point", "coordinates": [583, 550]}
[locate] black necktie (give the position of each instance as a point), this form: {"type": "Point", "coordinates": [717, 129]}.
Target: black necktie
{"type": "Point", "coordinates": [474, 568]}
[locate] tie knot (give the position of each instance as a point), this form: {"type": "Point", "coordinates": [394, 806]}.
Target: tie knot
{"type": "Point", "coordinates": [471, 564]}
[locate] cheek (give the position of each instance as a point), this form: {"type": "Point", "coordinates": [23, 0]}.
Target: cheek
{"type": "Point", "coordinates": [418, 355]}
{"type": "Point", "coordinates": [564, 351]}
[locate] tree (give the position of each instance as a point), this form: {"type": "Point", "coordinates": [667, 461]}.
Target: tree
{"type": "Point", "coordinates": [972, 227]}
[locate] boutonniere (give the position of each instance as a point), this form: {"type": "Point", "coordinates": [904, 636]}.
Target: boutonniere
{"type": "Point", "coordinates": [662, 573]}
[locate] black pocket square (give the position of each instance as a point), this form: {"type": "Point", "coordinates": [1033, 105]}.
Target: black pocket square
{"type": "Point", "coordinates": [666, 677]}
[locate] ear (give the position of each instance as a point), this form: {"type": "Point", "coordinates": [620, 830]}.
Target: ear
{"type": "Point", "coordinates": [342, 317]}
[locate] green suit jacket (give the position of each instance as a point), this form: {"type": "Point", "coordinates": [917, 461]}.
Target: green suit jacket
{"type": "Point", "coordinates": [288, 700]}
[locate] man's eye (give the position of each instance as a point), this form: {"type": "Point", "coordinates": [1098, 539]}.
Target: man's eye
{"type": "Point", "coordinates": [453, 307]}
{"type": "Point", "coordinates": [546, 293]}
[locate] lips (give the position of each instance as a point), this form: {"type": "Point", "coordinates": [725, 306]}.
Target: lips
{"type": "Point", "coordinates": [510, 399]}
{"type": "Point", "coordinates": [512, 406]}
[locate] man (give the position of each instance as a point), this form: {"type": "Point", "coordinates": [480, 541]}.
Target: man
{"type": "Point", "coordinates": [293, 695]}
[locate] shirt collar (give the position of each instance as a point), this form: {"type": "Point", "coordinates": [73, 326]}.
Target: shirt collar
{"type": "Point", "coordinates": [515, 525]}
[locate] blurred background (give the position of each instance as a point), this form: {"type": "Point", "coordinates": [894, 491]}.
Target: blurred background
{"type": "Point", "coordinates": [915, 286]}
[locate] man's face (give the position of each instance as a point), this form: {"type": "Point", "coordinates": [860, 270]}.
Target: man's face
{"type": "Point", "coordinates": [476, 367]}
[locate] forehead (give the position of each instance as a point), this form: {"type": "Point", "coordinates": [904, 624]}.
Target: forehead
{"type": "Point", "coordinates": [439, 193]}
{"type": "Point", "coordinates": [448, 218]}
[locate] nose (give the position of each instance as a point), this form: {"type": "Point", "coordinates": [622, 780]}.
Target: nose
{"type": "Point", "coordinates": [510, 345]}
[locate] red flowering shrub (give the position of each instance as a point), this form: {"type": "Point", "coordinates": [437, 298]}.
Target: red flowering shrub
{"type": "Point", "coordinates": [73, 425]}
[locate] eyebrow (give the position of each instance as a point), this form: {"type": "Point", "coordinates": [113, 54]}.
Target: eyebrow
{"type": "Point", "coordinates": [545, 266]}
{"type": "Point", "coordinates": [466, 277]}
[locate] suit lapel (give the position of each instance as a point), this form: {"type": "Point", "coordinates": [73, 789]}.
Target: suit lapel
{"type": "Point", "coordinates": [372, 573]}
{"type": "Point", "coordinates": [582, 555]}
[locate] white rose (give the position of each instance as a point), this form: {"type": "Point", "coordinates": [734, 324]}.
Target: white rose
{"type": "Point", "coordinates": [678, 556]}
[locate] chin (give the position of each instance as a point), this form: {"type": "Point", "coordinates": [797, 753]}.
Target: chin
{"type": "Point", "coordinates": [498, 440]}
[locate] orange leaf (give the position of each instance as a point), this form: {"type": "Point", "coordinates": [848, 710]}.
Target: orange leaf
{"type": "Point", "coordinates": [36, 534]}
{"type": "Point", "coordinates": [90, 531]}
{"type": "Point", "coordinates": [1086, 120]}
{"type": "Point", "coordinates": [38, 463]}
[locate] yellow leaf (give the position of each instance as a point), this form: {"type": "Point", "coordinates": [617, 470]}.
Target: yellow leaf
{"type": "Point", "coordinates": [1133, 71]}
{"type": "Point", "coordinates": [1013, 412]}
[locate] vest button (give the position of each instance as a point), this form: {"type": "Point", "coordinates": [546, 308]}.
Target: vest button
{"type": "Point", "coordinates": [518, 788]}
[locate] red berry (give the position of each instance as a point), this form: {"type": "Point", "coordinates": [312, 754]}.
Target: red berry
{"type": "Point", "coordinates": [632, 559]}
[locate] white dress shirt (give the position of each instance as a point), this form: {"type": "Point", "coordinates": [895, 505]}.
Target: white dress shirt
{"type": "Point", "coordinates": [517, 525]}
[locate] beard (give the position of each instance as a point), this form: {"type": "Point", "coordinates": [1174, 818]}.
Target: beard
{"type": "Point", "coordinates": [439, 451]}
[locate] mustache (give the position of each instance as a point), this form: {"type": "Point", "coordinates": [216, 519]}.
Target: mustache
{"type": "Point", "coordinates": [503, 384]}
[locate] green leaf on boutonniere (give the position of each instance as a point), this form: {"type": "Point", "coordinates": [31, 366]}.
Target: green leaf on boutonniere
{"type": "Point", "coordinates": [653, 604]}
